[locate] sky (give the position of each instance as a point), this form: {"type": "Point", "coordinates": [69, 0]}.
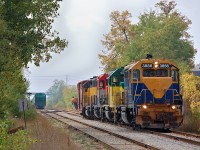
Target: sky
{"type": "Point", "coordinates": [83, 23]}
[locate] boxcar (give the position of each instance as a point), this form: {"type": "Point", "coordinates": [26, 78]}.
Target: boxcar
{"type": "Point", "coordinates": [80, 94]}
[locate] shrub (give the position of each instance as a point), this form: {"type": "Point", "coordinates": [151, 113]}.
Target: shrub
{"type": "Point", "coordinates": [16, 141]}
{"type": "Point", "coordinates": [30, 112]}
{"type": "Point", "coordinates": [191, 95]}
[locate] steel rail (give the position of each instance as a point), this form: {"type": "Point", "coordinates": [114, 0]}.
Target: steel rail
{"type": "Point", "coordinates": [185, 134]}
{"type": "Point", "coordinates": [164, 135]}
{"type": "Point", "coordinates": [111, 133]}
{"type": "Point", "coordinates": [171, 137]}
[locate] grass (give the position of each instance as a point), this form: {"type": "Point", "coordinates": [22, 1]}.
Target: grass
{"type": "Point", "coordinates": [52, 135]}
{"type": "Point", "coordinates": [49, 135]}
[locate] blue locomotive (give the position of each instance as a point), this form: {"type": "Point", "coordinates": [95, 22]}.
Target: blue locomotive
{"type": "Point", "coordinates": [145, 93]}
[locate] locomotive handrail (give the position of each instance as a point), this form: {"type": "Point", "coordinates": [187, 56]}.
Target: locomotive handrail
{"type": "Point", "coordinates": [173, 95]}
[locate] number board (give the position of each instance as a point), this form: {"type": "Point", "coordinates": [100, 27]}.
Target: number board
{"type": "Point", "coordinates": [147, 65]}
{"type": "Point", "coordinates": [164, 66]}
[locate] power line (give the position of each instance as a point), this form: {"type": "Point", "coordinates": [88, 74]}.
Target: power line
{"type": "Point", "coordinates": [71, 76]}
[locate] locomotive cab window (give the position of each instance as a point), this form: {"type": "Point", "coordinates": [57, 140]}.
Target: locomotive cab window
{"type": "Point", "coordinates": [136, 74]}
{"type": "Point", "coordinates": [148, 73]}
{"type": "Point", "coordinates": [174, 75]}
{"type": "Point", "coordinates": [155, 73]}
{"type": "Point", "coordinates": [162, 73]}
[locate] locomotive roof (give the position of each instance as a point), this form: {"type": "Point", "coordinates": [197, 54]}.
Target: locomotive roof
{"type": "Point", "coordinates": [102, 76]}
{"type": "Point", "coordinates": [82, 81]}
{"type": "Point", "coordinates": [113, 73]}
{"type": "Point", "coordinates": [128, 67]}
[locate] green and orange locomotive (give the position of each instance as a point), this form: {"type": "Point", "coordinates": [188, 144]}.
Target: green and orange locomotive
{"type": "Point", "coordinates": [145, 93]}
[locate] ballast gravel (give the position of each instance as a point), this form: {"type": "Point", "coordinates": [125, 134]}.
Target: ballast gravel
{"type": "Point", "coordinates": [149, 139]}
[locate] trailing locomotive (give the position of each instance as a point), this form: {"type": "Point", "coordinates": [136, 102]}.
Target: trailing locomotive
{"type": "Point", "coordinates": [40, 100]}
{"type": "Point", "coordinates": [145, 93]}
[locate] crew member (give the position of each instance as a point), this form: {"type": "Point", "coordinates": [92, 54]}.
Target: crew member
{"type": "Point", "coordinates": [74, 102]}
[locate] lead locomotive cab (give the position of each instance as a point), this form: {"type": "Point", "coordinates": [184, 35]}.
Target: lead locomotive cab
{"type": "Point", "coordinates": [152, 96]}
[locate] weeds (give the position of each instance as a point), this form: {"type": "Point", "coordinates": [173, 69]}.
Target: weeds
{"type": "Point", "coordinates": [49, 136]}
{"type": "Point", "coordinates": [53, 135]}
{"type": "Point", "coordinates": [15, 141]}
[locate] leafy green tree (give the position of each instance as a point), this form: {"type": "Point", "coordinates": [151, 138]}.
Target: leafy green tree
{"type": "Point", "coordinates": [26, 35]}
{"type": "Point", "coordinates": [55, 93]}
{"type": "Point", "coordinates": [59, 95]}
{"type": "Point", "coordinates": [116, 40]}
{"type": "Point", "coordinates": [68, 93]}
{"type": "Point", "coordinates": [161, 32]}
{"type": "Point", "coordinates": [13, 86]}
{"type": "Point", "coordinates": [29, 35]}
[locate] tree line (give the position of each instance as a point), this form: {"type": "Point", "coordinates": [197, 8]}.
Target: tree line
{"type": "Point", "coordinates": [59, 95]}
{"type": "Point", "coordinates": [26, 35]}
{"type": "Point", "coordinates": [162, 32]}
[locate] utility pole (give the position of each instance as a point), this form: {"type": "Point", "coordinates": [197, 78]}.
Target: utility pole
{"type": "Point", "coordinates": [66, 80]}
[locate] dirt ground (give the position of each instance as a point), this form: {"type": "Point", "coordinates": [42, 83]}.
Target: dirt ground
{"type": "Point", "coordinates": [52, 135]}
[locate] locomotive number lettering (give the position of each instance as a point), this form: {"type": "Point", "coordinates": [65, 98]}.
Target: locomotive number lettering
{"type": "Point", "coordinates": [147, 65]}
{"type": "Point", "coordinates": [164, 65]}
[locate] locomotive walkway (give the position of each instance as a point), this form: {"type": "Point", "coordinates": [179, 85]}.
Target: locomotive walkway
{"type": "Point", "coordinates": [122, 138]}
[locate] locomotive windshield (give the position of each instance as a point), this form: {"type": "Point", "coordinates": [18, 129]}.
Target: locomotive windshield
{"type": "Point", "coordinates": [155, 73]}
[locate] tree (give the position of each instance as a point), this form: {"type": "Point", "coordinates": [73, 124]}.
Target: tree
{"type": "Point", "coordinates": [55, 92]}
{"type": "Point", "coordinates": [116, 41]}
{"type": "Point", "coordinates": [28, 31]}
{"type": "Point", "coordinates": [164, 37]}
{"type": "Point", "coordinates": [25, 35]}
{"type": "Point", "coordinates": [191, 96]}
{"type": "Point", "coordinates": [12, 87]}
{"type": "Point", "coordinates": [60, 95]}
{"type": "Point", "coordinates": [68, 93]}
{"type": "Point", "coordinates": [161, 32]}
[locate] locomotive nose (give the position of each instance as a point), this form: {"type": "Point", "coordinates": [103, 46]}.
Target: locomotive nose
{"type": "Point", "coordinates": [158, 85]}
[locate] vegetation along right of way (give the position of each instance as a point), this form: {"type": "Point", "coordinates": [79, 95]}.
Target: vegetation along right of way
{"type": "Point", "coordinates": [26, 36]}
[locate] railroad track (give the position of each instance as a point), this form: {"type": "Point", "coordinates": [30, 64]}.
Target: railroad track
{"type": "Point", "coordinates": [148, 140]}
{"type": "Point", "coordinates": [176, 135]}
{"type": "Point", "coordinates": [186, 134]}
{"type": "Point", "coordinates": [114, 141]}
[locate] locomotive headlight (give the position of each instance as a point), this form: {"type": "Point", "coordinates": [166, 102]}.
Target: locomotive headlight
{"type": "Point", "coordinates": [156, 64]}
{"type": "Point", "coordinates": [173, 107]}
{"type": "Point", "coordinates": [144, 106]}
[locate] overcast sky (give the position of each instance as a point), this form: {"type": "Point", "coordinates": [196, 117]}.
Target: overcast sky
{"type": "Point", "coordinates": [83, 23]}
